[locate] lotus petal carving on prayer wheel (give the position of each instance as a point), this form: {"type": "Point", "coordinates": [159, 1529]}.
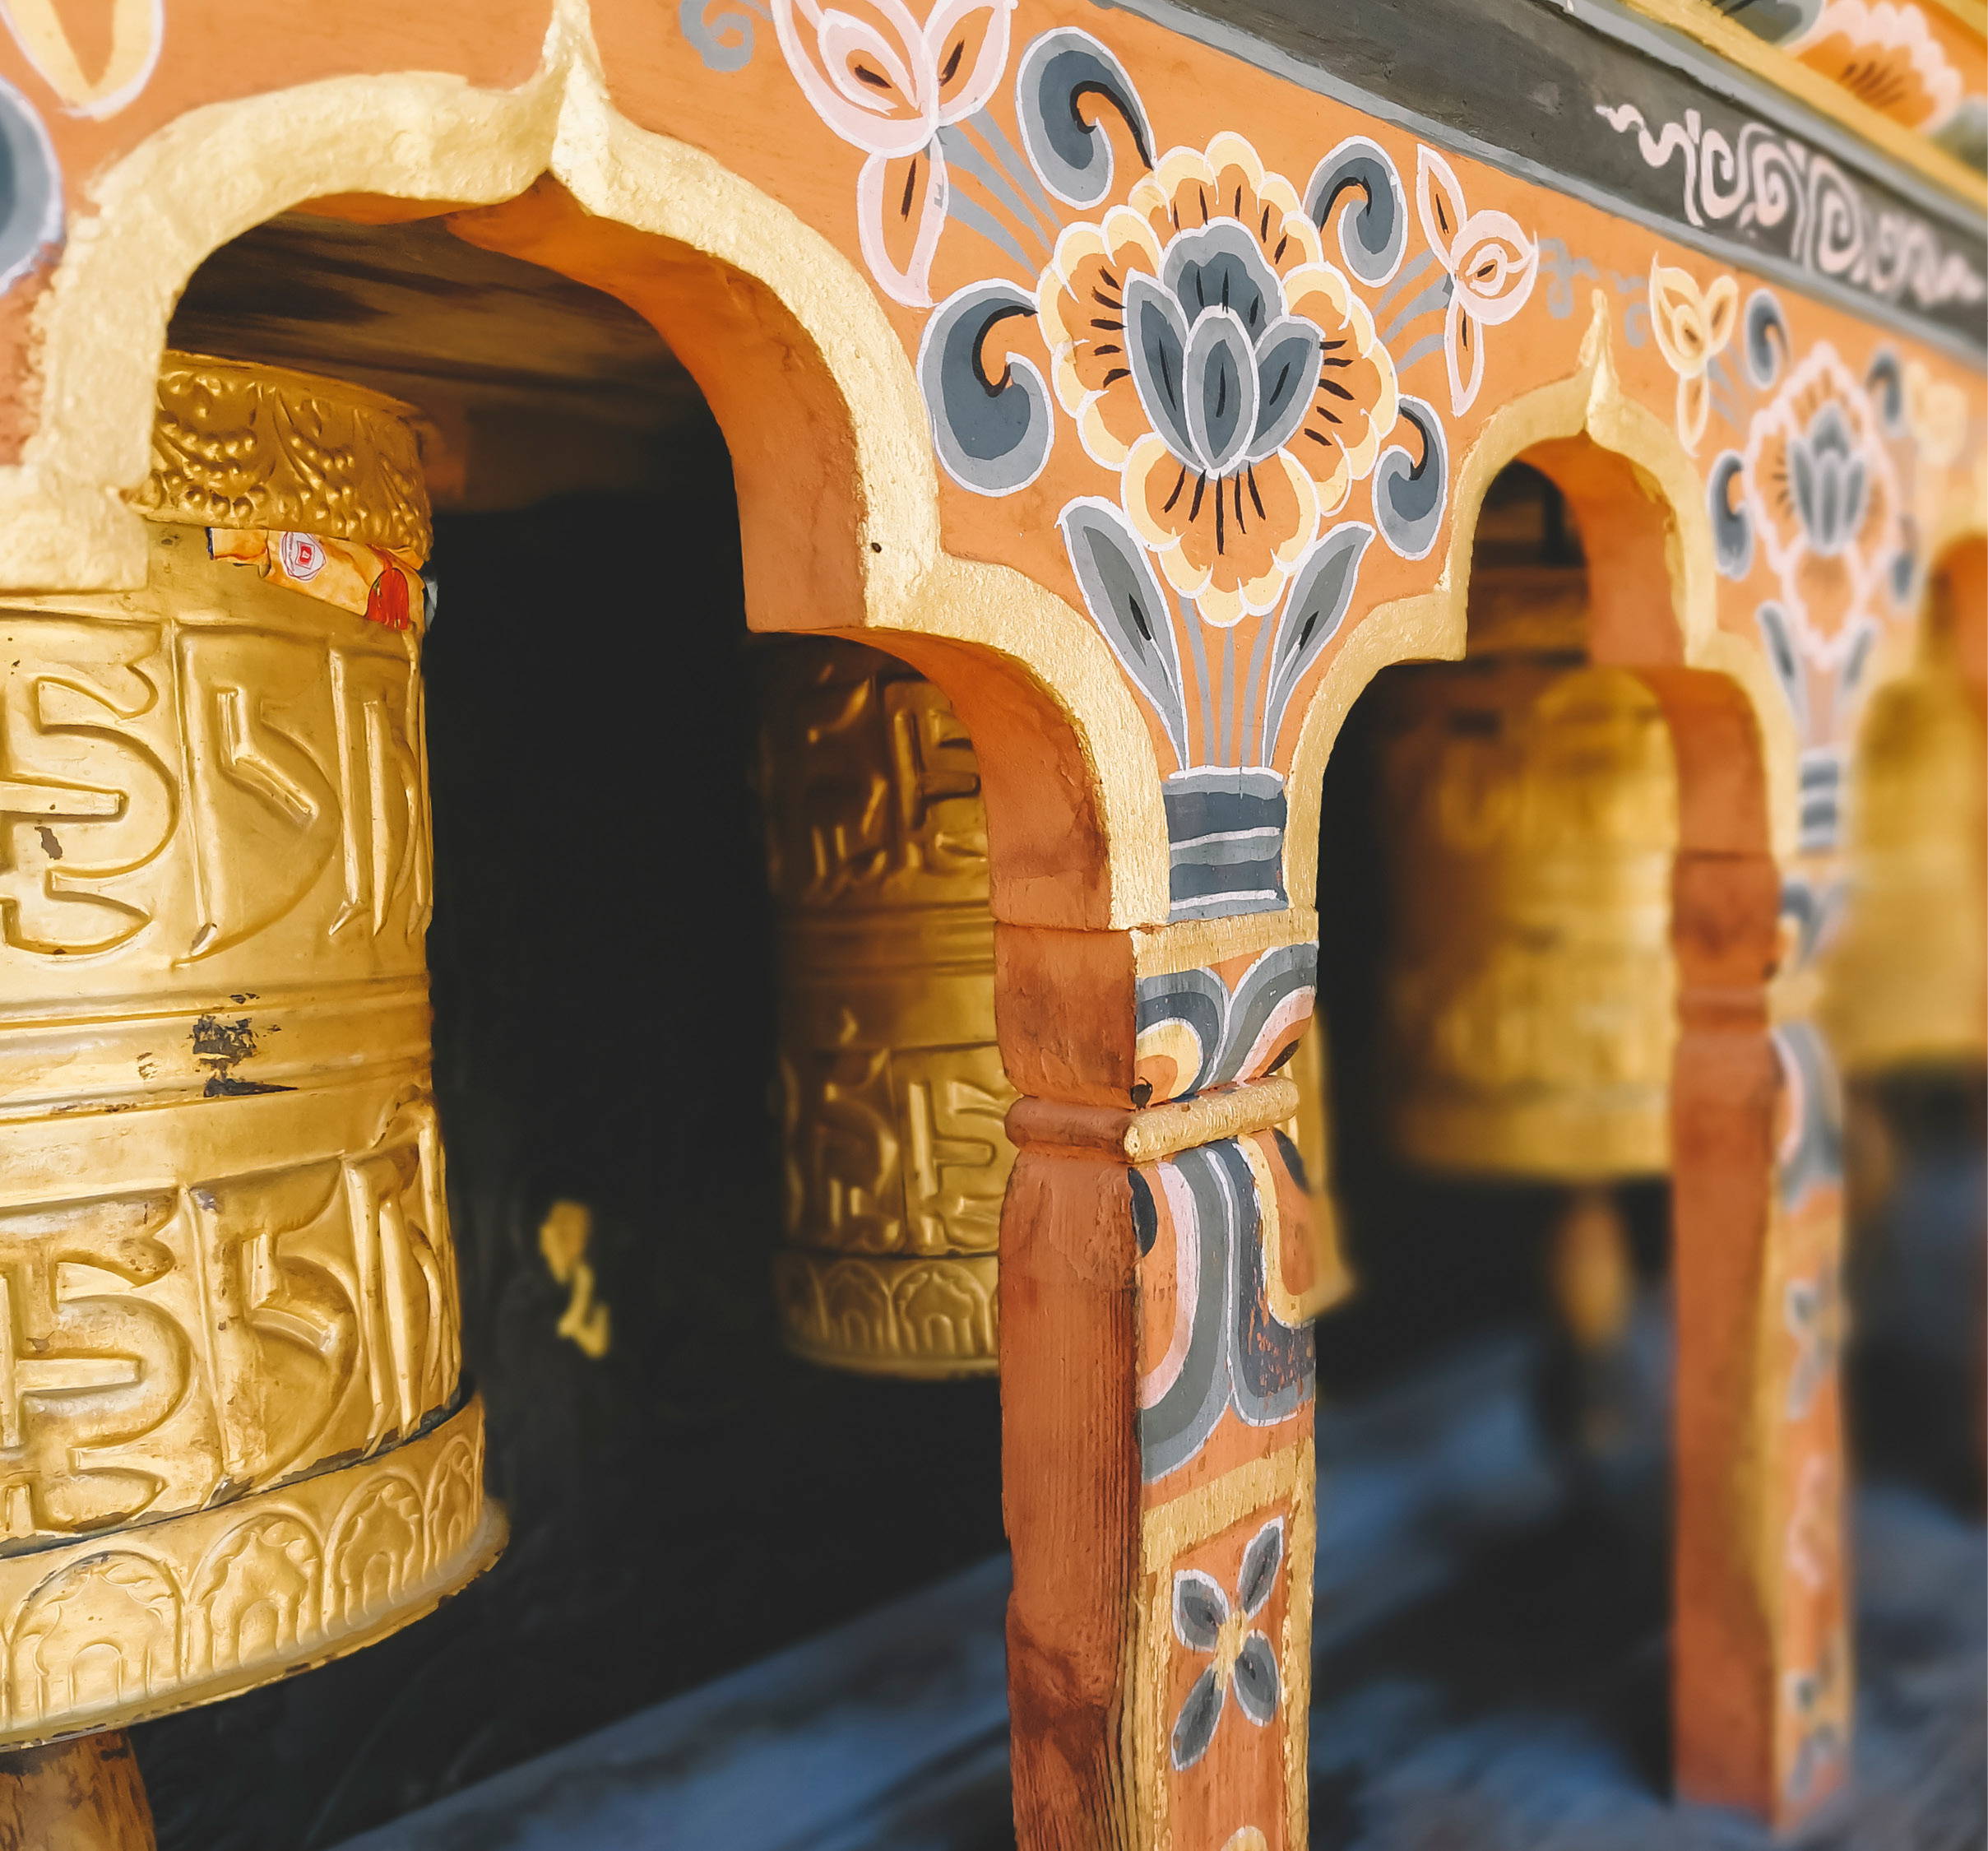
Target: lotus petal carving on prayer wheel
{"type": "Point", "coordinates": [234, 1437]}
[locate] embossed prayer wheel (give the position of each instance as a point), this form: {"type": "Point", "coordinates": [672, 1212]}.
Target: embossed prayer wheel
{"type": "Point", "coordinates": [892, 1093]}
{"type": "Point", "coordinates": [234, 1439]}
{"type": "Point", "coordinates": [1530, 804]}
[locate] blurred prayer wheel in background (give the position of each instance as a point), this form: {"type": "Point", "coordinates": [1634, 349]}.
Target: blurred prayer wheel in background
{"type": "Point", "coordinates": [234, 1440]}
{"type": "Point", "coordinates": [1907, 980]}
{"type": "Point", "coordinates": [893, 1092]}
{"type": "Point", "coordinates": [1529, 800]}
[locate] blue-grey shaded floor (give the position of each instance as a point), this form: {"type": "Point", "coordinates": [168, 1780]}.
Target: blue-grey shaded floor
{"type": "Point", "coordinates": [1490, 1678]}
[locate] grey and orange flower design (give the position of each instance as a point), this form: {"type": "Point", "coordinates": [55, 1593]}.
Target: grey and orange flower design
{"type": "Point", "coordinates": [1209, 353]}
{"type": "Point", "coordinates": [1824, 499]}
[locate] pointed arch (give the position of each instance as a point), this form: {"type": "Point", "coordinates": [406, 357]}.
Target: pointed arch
{"type": "Point", "coordinates": [1633, 487]}
{"type": "Point", "coordinates": [811, 384]}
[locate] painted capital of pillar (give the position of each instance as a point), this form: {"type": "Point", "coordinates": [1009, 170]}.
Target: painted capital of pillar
{"type": "Point", "coordinates": [234, 1437]}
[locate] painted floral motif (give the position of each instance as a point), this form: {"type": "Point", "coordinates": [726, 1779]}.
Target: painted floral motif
{"type": "Point", "coordinates": [1824, 499]}
{"type": "Point", "coordinates": [1885, 55]}
{"type": "Point", "coordinates": [1693, 327]}
{"type": "Point", "coordinates": [888, 83]}
{"type": "Point", "coordinates": [1242, 1659]}
{"type": "Point", "coordinates": [1209, 351]}
{"type": "Point", "coordinates": [1491, 263]}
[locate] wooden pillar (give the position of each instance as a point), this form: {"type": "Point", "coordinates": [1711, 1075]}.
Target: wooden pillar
{"type": "Point", "coordinates": [1762, 1677]}
{"type": "Point", "coordinates": [84, 1794]}
{"type": "Point", "coordinates": [1156, 1386]}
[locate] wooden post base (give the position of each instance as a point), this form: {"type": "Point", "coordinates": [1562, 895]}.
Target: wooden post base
{"type": "Point", "coordinates": [83, 1795]}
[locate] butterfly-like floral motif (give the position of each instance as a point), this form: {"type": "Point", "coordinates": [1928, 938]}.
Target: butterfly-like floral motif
{"type": "Point", "coordinates": [1693, 327]}
{"type": "Point", "coordinates": [1491, 262]}
{"type": "Point", "coordinates": [888, 83]}
{"type": "Point", "coordinates": [1887, 56]}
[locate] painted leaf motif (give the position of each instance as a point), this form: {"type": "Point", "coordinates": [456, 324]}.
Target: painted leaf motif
{"type": "Point", "coordinates": [1409, 493]}
{"type": "Point", "coordinates": [1312, 615]}
{"type": "Point", "coordinates": [1069, 149]}
{"type": "Point", "coordinates": [1373, 235]}
{"type": "Point", "coordinates": [1155, 348]}
{"type": "Point", "coordinates": [859, 65]}
{"type": "Point", "coordinates": [1195, 1728]}
{"type": "Point", "coordinates": [1257, 1686]}
{"type": "Point", "coordinates": [1767, 338]}
{"type": "Point", "coordinates": [1124, 599]}
{"type": "Point", "coordinates": [1222, 404]}
{"type": "Point", "coordinates": [1439, 201]}
{"type": "Point", "coordinates": [1784, 660]}
{"type": "Point", "coordinates": [1693, 410]}
{"type": "Point", "coordinates": [1732, 528]}
{"type": "Point", "coordinates": [1261, 1562]}
{"type": "Point", "coordinates": [1199, 1609]}
{"type": "Point", "coordinates": [966, 42]}
{"type": "Point", "coordinates": [1464, 354]}
{"type": "Point", "coordinates": [1287, 357]}
{"type": "Point", "coordinates": [901, 210]}
{"type": "Point", "coordinates": [993, 434]}
{"type": "Point", "coordinates": [1496, 266]}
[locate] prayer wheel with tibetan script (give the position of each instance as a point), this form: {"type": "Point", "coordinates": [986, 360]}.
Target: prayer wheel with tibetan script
{"type": "Point", "coordinates": [234, 1437]}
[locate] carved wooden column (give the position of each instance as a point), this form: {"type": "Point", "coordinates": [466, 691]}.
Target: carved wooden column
{"type": "Point", "coordinates": [1762, 1680]}
{"type": "Point", "coordinates": [1156, 1386]}
{"type": "Point", "coordinates": [234, 1440]}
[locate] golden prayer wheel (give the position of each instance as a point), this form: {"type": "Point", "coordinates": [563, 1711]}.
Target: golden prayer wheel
{"type": "Point", "coordinates": [234, 1440]}
{"type": "Point", "coordinates": [892, 1088]}
{"type": "Point", "coordinates": [1906, 982]}
{"type": "Point", "coordinates": [1529, 995]}
{"type": "Point", "coordinates": [1530, 812]}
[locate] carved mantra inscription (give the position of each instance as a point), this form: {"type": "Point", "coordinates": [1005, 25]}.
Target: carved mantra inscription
{"type": "Point", "coordinates": [161, 1348]}
{"type": "Point", "coordinates": [893, 1088]}
{"type": "Point", "coordinates": [184, 788]}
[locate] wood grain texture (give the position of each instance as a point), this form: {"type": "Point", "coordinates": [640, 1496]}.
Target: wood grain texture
{"type": "Point", "coordinates": [82, 1795]}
